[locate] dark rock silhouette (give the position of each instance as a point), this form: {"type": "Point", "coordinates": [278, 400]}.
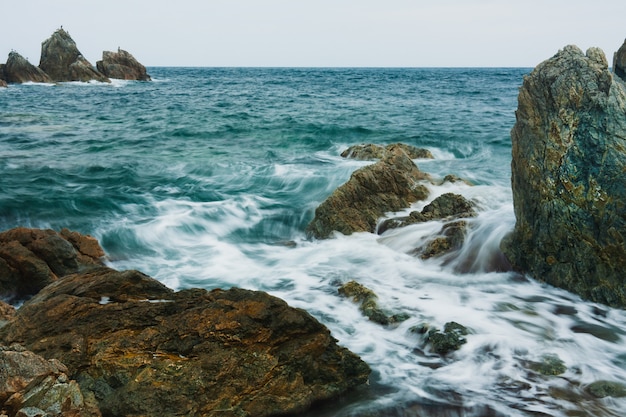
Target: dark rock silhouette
{"type": "Point", "coordinates": [619, 62]}
{"type": "Point", "coordinates": [569, 160]}
{"type": "Point", "coordinates": [18, 70]}
{"type": "Point", "coordinates": [122, 65]}
{"type": "Point", "coordinates": [62, 61]}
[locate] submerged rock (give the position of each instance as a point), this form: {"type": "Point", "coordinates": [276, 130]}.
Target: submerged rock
{"type": "Point", "coordinates": [62, 61]}
{"type": "Point", "coordinates": [368, 303]}
{"type": "Point", "coordinates": [122, 65]}
{"type": "Point", "coordinates": [19, 70]}
{"type": "Point", "coordinates": [391, 184]}
{"type": "Point", "coordinates": [30, 259]}
{"type": "Point", "coordinates": [32, 385]}
{"type": "Point", "coordinates": [619, 62]}
{"type": "Point", "coordinates": [142, 349]}
{"type": "Point", "coordinates": [569, 159]}
{"type": "Point", "coordinates": [452, 337]}
{"type": "Point", "coordinates": [371, 151]}
{"type": "Point", "coordinates": [602, 389]}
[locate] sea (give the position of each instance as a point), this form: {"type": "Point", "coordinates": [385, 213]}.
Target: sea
{"type": "Point", "coordinates": [208, 177]}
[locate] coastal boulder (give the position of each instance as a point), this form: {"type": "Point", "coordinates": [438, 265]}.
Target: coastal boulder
{"type": "Point", "coordinates": [619, 62]}
{"type": "Point", "coordinates": [31, 385]}
{"type": "Point", "coordinates": [122, 65]}
{"type": "Point", "coordinates": [18, 70]}
{"type": "Point", "coordinates": [30, 259]}
{"type": "Point", "coordinates": [62, 61]}
{"type": "Point", "coordinates": [568, 165]}
{"type": "Point", "coordinates": [140, 348]}
{"type": "Point", "coordinates": [369, 151]}
{"type": "Point", "coordinates": [391, 184]}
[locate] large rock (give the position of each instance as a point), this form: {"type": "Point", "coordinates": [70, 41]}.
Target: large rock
{"type": "Point", "coordinates": [3, 81]}
{"type": "Point", "coordinates": [122, 65]}
{"type": "Point", "coordinates": [18, 70]}
{"type": "Point", "coordinates": [569, 160]}
{"type": "Point", "coordinates": [391, 184]}
{"type": "Point", "coordinates": [368, 151]}
{"type": "Point", "coordinates": [31, 385]}
{"type": "Point", "coordinates": [30, 259]}
{"type": "Point", "coordinates": [619, 62]}
{"type": "Point", "coordinates": [143, 349]}
{"type": "Point", "coordinates": [62, 61]}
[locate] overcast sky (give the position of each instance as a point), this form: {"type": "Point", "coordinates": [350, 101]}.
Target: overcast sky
{"type": "Point", "coordinates": [381, 33]}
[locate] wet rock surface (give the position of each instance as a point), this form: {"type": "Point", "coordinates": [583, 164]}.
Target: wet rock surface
{"type": "Point", "coordinates": [140, 348]}
{"type": "Point", "coordinates": [370, 151]}
{"type": "Point", "coordinates": [391, 184]}
{"type": "Point", "coordinates": [569, 159]}
{"type": "Point", "coordinates": [368, 303]}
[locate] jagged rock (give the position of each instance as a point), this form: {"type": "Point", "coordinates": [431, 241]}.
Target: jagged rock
{"type": "Point", "coordinates": [62, 61]}
{"type": "Point", "coordinates": [368, 303]}
{"type": "Point", "coordinates": [569, 159]}
{"type": "Point", "coordinates": [122, 65]}
{"type": "Point", "coordinates": [391, 184]}
{"type": "Point", "coordinates": [143, 349]}
{"type": "Point", "coordinates": [30, 259]}
{"type": "Point", "coordinates": [619, 62]}
{"type": "Point", "coordinates": [19, 70]}
{"type": "Point", "coordinates": [371, 151]}
{"type": "Point", "coordinates": [7, 311]}
{"type": "Point", "coordinates": [32, 385]}
{"type": "Point", "coordinates": [452, 337]}
{"type": "Point", "coordinates": [451, 237]}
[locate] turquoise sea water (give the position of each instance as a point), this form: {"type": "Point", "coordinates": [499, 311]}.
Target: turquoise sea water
{"type": "Point", "coordinates": [207, 177]}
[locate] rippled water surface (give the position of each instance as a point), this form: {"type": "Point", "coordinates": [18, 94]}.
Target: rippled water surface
{"type": "Point", "coordinates": [207, 177]}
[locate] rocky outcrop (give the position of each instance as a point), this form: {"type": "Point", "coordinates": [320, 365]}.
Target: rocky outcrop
{"type": "Point", "coordinates": [371, 151]}
{"type": "Point", "coordinates": [569, 160]}
{"type": "Point", "coordinates": [619, 62]}
{"type": "Point", "coordinates": [391, 184]}
{"type": "Point", "coordinates": [18, 70]}
{"type": "Point", "coordinates": [30, 259]}
{"type": "Point", "coordinates": [33, 386]}
{"type": "Point", "coordinates": [3, 81]}
{"type": "Point", "coordinates": [62, 61]}
{"type": "Point", "coordinates": [142, 349]}
{"type": "Point", "coordinates": [121, 65]}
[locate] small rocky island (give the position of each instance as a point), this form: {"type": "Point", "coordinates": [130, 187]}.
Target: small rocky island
{"type": "Point", "coordinates": [61, 61]}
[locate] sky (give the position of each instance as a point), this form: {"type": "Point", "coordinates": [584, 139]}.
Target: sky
{"type": "Point", "coordinates": [319, 33]}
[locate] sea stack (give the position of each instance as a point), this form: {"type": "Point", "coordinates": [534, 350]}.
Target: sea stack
{"type": "Point", "coordinates": [619, 62]}
{"type": "Point", "coordinates": [62, 61]}
{"type": "Point", "coordinates": [569, 160]}
{"type": "Point", "coordinates": [19, 70]}
{"type": "Point", "coordinates": [122, 65]}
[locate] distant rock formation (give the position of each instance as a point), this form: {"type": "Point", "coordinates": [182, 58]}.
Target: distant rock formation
{"type": "Point", "coordinates": [62, 61]}
{"type": "Point", "coordinates": [391, 184]}
{"type": "Point", "coordinates": [3, 81]}
{"type": "Point", "coordinates": [122, 65]}
{"type": "Point", "coordinates": [369, 151]}
{"type": "Point", "coordinates": [18, 70]}
{"type": "Point", "coordinates": [569, 193]}
{"type": "Point", "coordinates": [619, 62]}
{"type": "Point", "coordinates": [30, 259]}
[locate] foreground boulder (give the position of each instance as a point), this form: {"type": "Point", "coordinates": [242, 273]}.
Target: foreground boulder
{"type": "Point", "coordinates": [30, 259]}
{"type": "Point", "coordinates": [122, 65]}
{"type": "Point", "coordinates": [619, 62]}
{"type": "Point", "coordinates": [33, 386]}
{"type": "Point", "coordinates": [391, 184]}
{"type": "Point", "coordinates": [62, 61]}
{"type": "Point", "coordinates": [18, 70]}
{"type": "Point", "coordinates": [142, 349]}
{"type": "Point", "coordinates": [569, 160]}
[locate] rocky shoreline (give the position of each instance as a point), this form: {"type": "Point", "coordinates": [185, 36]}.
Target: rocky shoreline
{"type": "Point", "coordinates": [61, 61]}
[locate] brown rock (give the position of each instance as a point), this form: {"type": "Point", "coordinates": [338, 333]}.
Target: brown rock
{"type": "Point", "coordinates": [391, 184]}
{"type": "Point", "coordinates": [30, 259]}
{"type": "Point", "coordinates": [122, 65]}
{"type": "Point", "coordinates": [7, 312]}
{"type": "Point", "coordinates": [62, 61]}
{"type": "Point", "coordinates": [19, 70]}
{"type": "Point", "coordinates": [142, 349]}
{"type": "Point", "coordinates": [371, 151]}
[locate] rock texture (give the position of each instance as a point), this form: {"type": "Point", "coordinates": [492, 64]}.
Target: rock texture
{"type": "Point", "coordinates": [122, 65]}
{"type": "Point", "coordinates": [62, 61]}
{"type": "Point", "coordinates": [30, 259]}
{"type": "Point", "coordinates": [142, 349]}
{"type": "Point", "coordinates": [371, 151]}
{"type": "Point", "coordinates": [619, 62]}
{"type": "Point", "coordinates": [3, 81]}
{"type": "Point", "coordinates": [569, 160]}
{"type": "Point", "coordinates": [18, 70]}
{"type": "Point", "coordinates": [391, 184]}
{"type": "Point", "coordinates": [33, 386]}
